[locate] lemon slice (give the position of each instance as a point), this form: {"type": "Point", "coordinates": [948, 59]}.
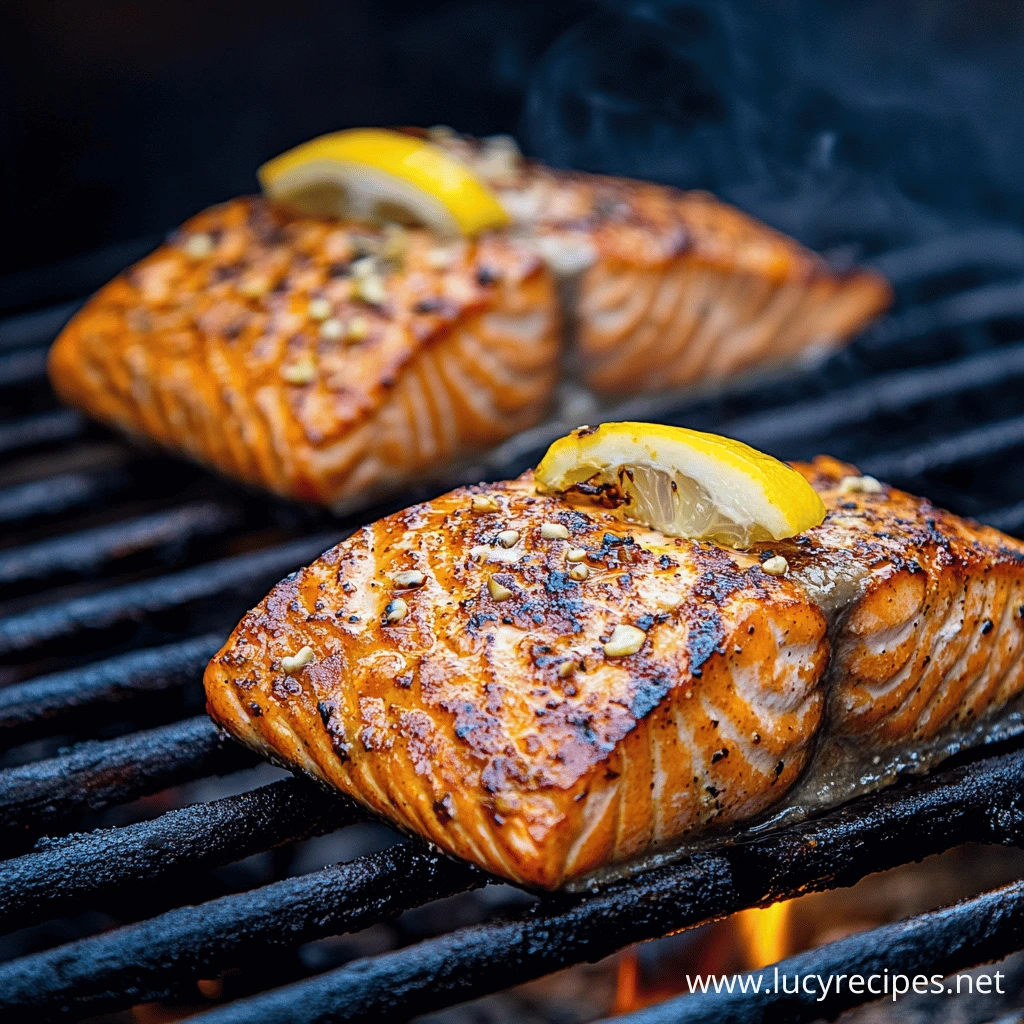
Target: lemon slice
{"type": "Point", "coordinates": [686, 483]}
{"type": "Point", "coordinates": [372, 174]}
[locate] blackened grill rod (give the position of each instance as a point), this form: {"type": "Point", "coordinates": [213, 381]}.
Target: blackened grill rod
{"type": "Point", "coordinates": [979, 443]}
{"type": "Point", "coordinates": [999, 247]}
{"type": "Point", "coordinates": [36, 328]}
{"type": "Point", "coordinates": [981, 801]}
{"type": "Point", "coordinates": [70, 872]}
{"type": "Point", "coordinates": [22, 366]}
{"type": "Point", "coordinates": [134, 601]}
{"type": "Point", "coordinates": [1008, 518]}
{"type": "Point", "coordinates": [61, 493]}
{"type": "Point", "coordinates": [1001, 300]}
{"type": "Point", "coordinates": [97, 773]}
{"type": "Point", "coordinates": [976, 931]}
{"type": "Point", "coordinates": [147, 960]}
{"type": "Point", "coordinates": [43, 428]}
{"type": "Point", "coordinates": [890, 393]}
{"type": "Point", "coordinates": [90, 550]}
{"type": "Point", "coordinates": [37, 705]}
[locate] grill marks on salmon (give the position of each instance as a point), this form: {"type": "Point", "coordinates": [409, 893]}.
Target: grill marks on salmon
{"type": "Point", "coordinates": [928, 608]}
{"type": "Point", "coordinates": [483, 709]}
{"type": "Point", "coordinates": [673, 288]}
{"type": "Point", "coordinates": [500, 729]}
{"type": "Point", "coordinates": [209, 347]}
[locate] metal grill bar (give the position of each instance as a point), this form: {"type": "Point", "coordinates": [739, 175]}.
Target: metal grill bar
{"type": "Point", "coordinates": [38, 327]}
{"type": "Point", "coordinates": [885, 394]}
{"type": "Point", "coordinates": [60, 493]}
{"type": "Point", "coordinates": [144, 961]}
{"type": "Point", "coordinates": [46, 428]}
{"type": "Point", "coordinates": [997, 301]}
{"type": "Point", "coordinates": [30, 708]}
{"type": "Point", "coordinates": [134, 601]}
{"type": "Point", "coordinates": [982, 442]}
{"type": "Point", "coordinates": [67, 873]}
{"type": "Point", "coordinates": [837, 849]}
{"type": "Point", "coordinates": [23, 366]}
{"type": "Point", "coordinates": [976, 931]}
{"type": "Point", "coordinates": [91, 549]}
{"type": "Point", "coordinates": [999, 248]}
{"type": "Point", "coordinates": [982, 800]}
{"type": "Point", "coordinates": [1009, 519]}
{"type": "Point", "coordinates": [97, 773]}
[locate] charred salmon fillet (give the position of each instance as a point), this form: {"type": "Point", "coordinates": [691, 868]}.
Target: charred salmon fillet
{"type": "Point", "coordinates": [671, 288]}
{"type": "Point", "coordinates": [327, 361]}
{"type": "Point", "coordinates": [317, 359]}
{"type": "Point", "coordinates": [539, 687]}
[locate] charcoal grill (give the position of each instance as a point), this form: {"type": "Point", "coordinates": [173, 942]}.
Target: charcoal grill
{"type": "Point", "coordinates": [116, 590]}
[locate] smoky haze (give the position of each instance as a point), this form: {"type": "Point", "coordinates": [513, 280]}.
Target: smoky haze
{"type": "Point", "coordinates": [853, 126]}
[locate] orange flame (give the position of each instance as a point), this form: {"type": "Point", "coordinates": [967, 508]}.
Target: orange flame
{"type": "Point", "coordinates": [764, 934]}
{"type": "Point", "coordinates": [627, 979]}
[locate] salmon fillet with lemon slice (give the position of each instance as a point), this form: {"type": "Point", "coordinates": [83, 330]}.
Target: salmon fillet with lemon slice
{"type": "Point", "coordinates": [531, 678]}
{"type": "Point", "coordinates": [289, 343]}
{"type": "Point", "coordinates": [323, 360]}
{"type": "Point", "coordinates": [666, 288]}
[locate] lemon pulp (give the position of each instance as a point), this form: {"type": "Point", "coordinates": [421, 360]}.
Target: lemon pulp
{"type": "Point", "coordinates": [374, 174]}
{"type": "Point", "coordinates": [686, 483]}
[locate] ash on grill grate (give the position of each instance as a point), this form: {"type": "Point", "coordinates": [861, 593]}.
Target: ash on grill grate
{"type": "Point", "coordinates": [114, 590]}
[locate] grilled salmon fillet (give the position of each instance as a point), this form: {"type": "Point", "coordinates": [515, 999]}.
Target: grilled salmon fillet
{"type": "Point", "coordinates": [328, 361]}
{"type": "Point", "coordinates": [671, 288]}
{"type": "Point", "coordinates": [537, 686]}
{"type": "Point", "coordinates": [318, 359]}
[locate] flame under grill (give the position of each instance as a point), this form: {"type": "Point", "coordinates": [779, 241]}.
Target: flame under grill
{"type": "Point", "coordinates": [115, 592]}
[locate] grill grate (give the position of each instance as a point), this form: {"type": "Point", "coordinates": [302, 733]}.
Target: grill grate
{"type": "Point", "coordinates": [114, 592]}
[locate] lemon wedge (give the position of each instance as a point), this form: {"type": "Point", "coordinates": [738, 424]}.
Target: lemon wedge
{"type": "Point", "coordinates": [686, 483]}
{"type": "Point", "coordinates": [372, 174]}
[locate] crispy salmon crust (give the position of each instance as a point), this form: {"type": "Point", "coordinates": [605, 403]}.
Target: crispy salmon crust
{"type": "Point", "coordinates": [498, 727]}
{"type": "Point", "coordinates": [211, 346]}
{"type": "Point", "coordinates": [462, 684]}
{"type": "Point", "coordinates": [927, 610]}
{"type": "Point", "coordinates": [320, 360]}
{"type": "Point", "coordinates": [674, 288]}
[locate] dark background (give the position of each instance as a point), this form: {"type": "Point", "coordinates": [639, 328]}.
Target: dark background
{"type": "Point", "coordinates": [854, 126]}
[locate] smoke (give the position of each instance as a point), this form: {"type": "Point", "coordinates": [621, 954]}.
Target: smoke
{"type": "Point", "coordinates": [853, 126]}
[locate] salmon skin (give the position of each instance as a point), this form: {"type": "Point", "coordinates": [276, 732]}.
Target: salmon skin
{"type": "Point", "coordinates": [533, 684]}
{"type": "Point", "coordinates": [671, 288]}
{"type": "Point", "coordinates": [324, 361]}
{"type": "Point", "coordinates": [330, 362]}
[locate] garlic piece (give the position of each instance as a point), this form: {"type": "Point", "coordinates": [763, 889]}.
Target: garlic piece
{"type": "Point", "coordinates": [408, 579]}
{"type": "Point", "coordinates": [319, 309]}
{"type": "Point", "coordinates": [554, 531]}
{"type": "Point", "coordinates": [358, 328]}
{"type": "Point", "coordinates": [395, 610]}
{"type": "Point", "coordinates": [199, 246]}
{"type": "Point", "coordinates": [776, 566]}
{"type": "Point", "coordinates": [625, 640]}
{"type": "Point", "coordinates": [498, 591]}
{"type": "Point", "coordinates": [860, 485]}
{"type": "Point", "coordinates": [302, 371]}
{"type": "Point", "coordinates": [332, 329]}
{"type": "Point", "coordinates": [508, 538]}
{"type": "Point", "coordinates": [292, 663]}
